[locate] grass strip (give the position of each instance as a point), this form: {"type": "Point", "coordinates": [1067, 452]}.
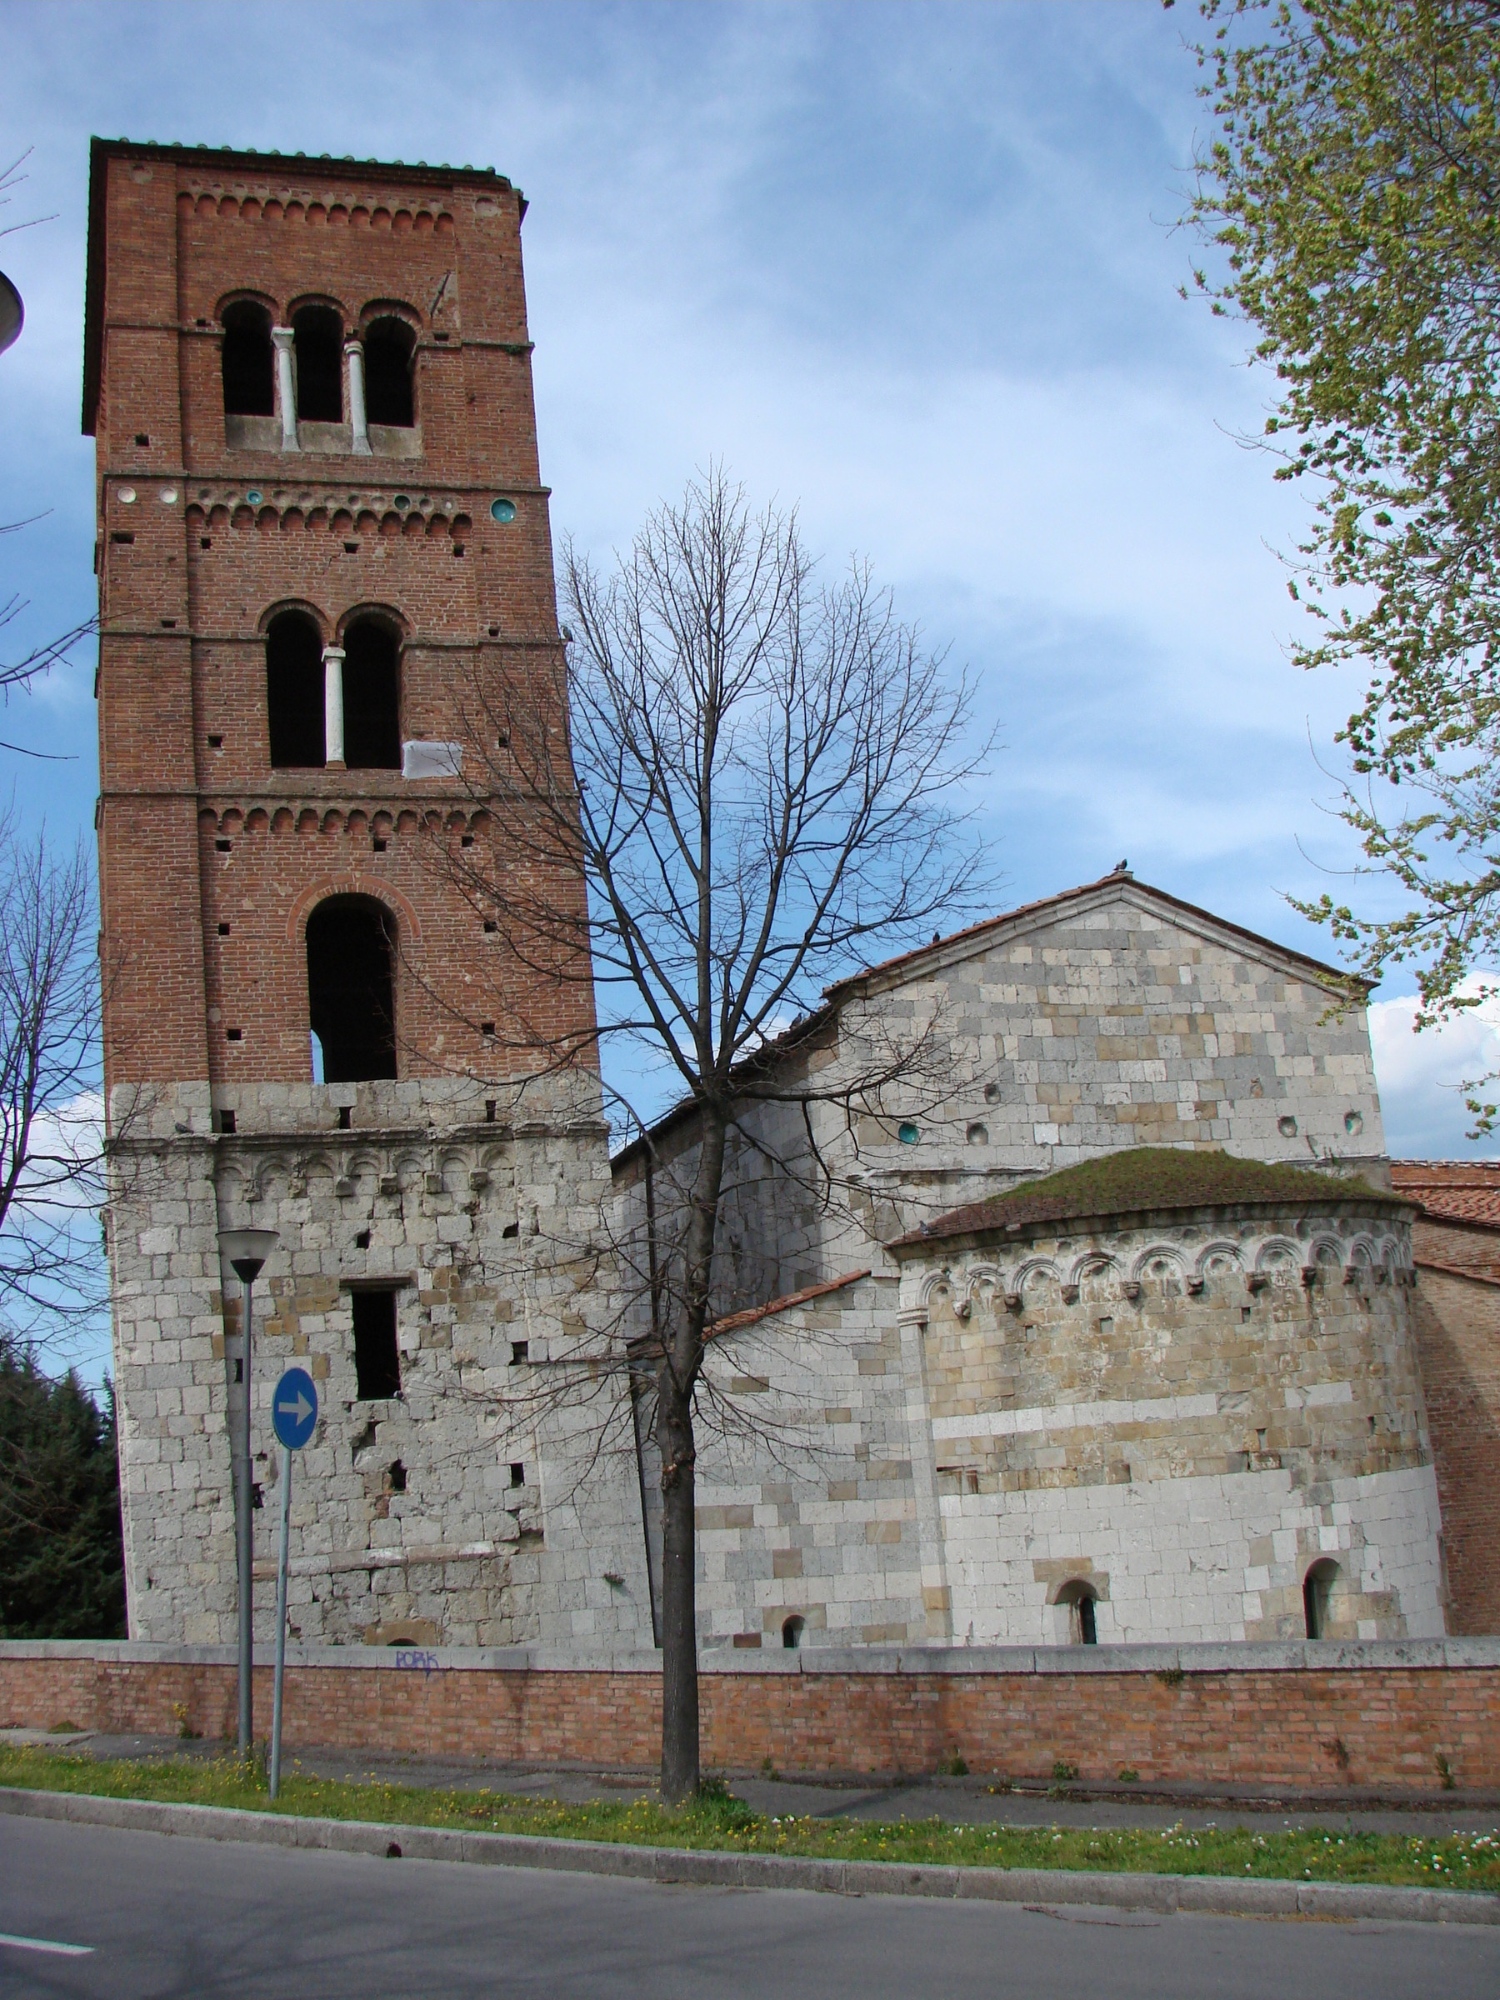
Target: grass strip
{"type": "Point", "coordinates": [717, 1819]}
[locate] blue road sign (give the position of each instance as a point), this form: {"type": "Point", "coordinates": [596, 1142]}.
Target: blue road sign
{"type": "Point", "coordinates": [294, 1408]}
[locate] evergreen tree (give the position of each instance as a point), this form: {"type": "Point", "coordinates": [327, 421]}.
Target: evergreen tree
{"type": "Point", "coordinates": [62, 1561]}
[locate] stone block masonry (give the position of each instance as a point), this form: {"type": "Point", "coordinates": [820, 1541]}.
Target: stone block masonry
{"type": "Point", "coordinates": [1302, 1718]}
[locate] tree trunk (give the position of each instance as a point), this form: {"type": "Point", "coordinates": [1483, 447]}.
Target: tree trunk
{"type": "Point", "coordinates": [679, 1615]}
{"type": "Point", "coordinates": [676, 1384]}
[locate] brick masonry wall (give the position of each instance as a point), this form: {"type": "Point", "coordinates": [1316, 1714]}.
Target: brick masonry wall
{"type": "Point", "coordinates": [1274, 1720]}
{"type": "Point", "coordinates": [1458, 1343]}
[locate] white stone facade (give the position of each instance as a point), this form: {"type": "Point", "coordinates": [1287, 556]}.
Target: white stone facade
{"type": "Point", "coordinates": [953, 1464]}
{"type": "Point", "coordinates": [450, 1514]}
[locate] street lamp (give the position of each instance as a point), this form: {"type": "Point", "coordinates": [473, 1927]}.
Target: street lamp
{"type": "Point", "coordinates": [246, 1250]}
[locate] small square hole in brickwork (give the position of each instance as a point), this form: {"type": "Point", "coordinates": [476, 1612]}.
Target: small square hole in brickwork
{"type": "Point", "coordinates": [205, 541]}
{"type": "Point", "coordinates": [520, 1350]}
{"type": "Point", "coordinates": [458, 548]}
{"type": "Point", "coordinates": [466, 840]}
{"type": "Point", "coordinates": [380, 846]}
{"type": "Point", "coordinates": [222, 846]}
{"type": "Point", "coordinates": [216, 743]}
{"type": "Point", "coordinates": [487, 1029]}
{"type": "Point", "coordinates": [490, 924]}
{"type": "Point", "coordinates": [502, 741]}
{"type": "Point", "coordinates": [494, 631]}
{"type": "Point", "coordinates": [234, 1035]}
{"type": "Point", "coordinates": [351, 548]}
{"type": "Point", "coordinates": [346, 1117]}
{"type": "Point", "coordinates": [141, 438]}
{"type": "Point", "coordinates": [377, 1365]}
{"type": "Point", "coordinates": [169, 624]}
{"type": "Point", "coordinates": [223, 930]}
{"type": "Point", "coordinates": [226, 1121]}
{"type": "Point", "coordinates": [120, 535]}
{"type": "Point", "coordinates": [362, 1241]}
{"type": "Point", "coordinates": [517, 1474]}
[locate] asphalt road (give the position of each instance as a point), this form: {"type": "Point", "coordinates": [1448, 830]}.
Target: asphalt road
{"type": "Point", "coordinates": [166, 1916]}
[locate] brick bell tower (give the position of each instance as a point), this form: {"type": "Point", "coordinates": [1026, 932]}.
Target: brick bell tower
{"type": "Point", "coordinates": [320, 510]}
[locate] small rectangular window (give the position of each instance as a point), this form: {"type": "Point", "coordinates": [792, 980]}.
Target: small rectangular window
{"type": "Point", "coordinates": [377, 1364]}
{"type": "Point", "coordinates": [216, 743]}
{"type": "Point", "coordinates": [222, 846]}
{"type": "Point", "coordinates": [226, 1121]}
{"type": "Point", "coordinates": [223, 930]}
{"type": "Point", "coordinates": [517, 1475]}
{"type": "Point", "coordinates": [234, 1034]}
{"type": "Point", "coordinates": [520, 1350]}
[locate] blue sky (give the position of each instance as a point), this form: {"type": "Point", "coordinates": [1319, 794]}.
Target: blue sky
{"type": "Point", "coordinates": [911, 266]}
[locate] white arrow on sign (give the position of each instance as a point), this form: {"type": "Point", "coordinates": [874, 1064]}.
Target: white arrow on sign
{"type": "Point", "coordinates": [301, 1409]}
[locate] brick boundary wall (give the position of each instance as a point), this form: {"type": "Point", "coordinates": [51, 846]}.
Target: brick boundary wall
{"type": "Point", "coordinates": [1380, 1715]}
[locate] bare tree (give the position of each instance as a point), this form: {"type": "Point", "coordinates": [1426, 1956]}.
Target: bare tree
{"type": "Point", "coordinates": [746, 782]}
{"type": "Point", "coordinates": [52, 1165]}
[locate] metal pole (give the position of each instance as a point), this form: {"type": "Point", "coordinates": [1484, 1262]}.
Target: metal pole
{"type": "Point", "coordinates": [246, 1528]}
{"type": "Point", "coordinates": [286, 1523]}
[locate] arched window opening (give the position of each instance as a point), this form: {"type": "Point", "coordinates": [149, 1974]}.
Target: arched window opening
{"type": "Point", "coordinates": [791, 1632]}
{"type": "Point", "coordinates": [351, 987]}
{"type": "Point", "coordinates": [294, 691]}
{"type": "Point", "coordinates": [1080, 1598]}
{"type": "Point", "coordinates": [389, 347]}
{"type": "Point", "coordinates": [372, 697]}
{"type": "Point", "coordinates": [1317, 1598]}
{"type": "Point", "coordinates": [248, 361]}
{"type": "Point", "coordinates": [319, 347]}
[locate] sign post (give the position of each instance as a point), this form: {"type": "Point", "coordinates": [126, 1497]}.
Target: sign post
{"type": "Point", "coordinates": [294, 1416]}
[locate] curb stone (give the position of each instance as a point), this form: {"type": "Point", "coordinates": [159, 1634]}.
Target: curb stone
{"type": "Point", "coordinates": [1164, 1894]}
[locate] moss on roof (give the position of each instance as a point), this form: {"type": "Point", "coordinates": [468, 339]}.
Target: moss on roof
{"type": "Point", "coordinates": [1151, 1177]}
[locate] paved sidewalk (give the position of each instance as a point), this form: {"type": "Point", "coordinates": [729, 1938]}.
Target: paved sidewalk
{"type": "Point", "coordinates": [968, 1800]}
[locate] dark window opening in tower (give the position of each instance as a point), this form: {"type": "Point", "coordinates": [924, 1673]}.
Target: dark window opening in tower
{"type": "Point", "coordinates": [294, 691]}
{"type": "Point", "coordinates": [377, 1359]}
{"type": "Point", "coordinates": [248, 362]}
{"type": "Point", "coordinates": [319, 348]}
{"type": "Point", "coordinates": [389, 346]}
{"type": "Point", "coordinates": [1317, 1598]}
{"type": "Point", "coordinates": [372, 697]}
{"type": "Point", "coordinates": [351, 987]}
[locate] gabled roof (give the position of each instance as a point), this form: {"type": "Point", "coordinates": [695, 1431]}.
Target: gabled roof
{"type": "Point", "coordinates": [960, 945]}
{"type": "Point", "coordinates": [1147, 1179]}
{"type": "Point", "coordinates": [1119, 885]}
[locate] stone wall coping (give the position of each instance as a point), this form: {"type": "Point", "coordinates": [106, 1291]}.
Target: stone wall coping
{"type": "Point", "coordinates": [1322, 1656]}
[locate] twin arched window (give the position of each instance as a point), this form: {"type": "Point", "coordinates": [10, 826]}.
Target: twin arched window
{"type": "Point", "coordinates": [317, 371]}
{"type": "Point", "coordinates": [301, 702]}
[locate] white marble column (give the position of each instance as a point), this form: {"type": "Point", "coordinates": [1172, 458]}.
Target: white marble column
{"type": "Point", "coordinates": [354, 354]}
{"type": "Point", "coordinates": [333, 708]}
{"type": "Point", "coordinates": [286, 386]}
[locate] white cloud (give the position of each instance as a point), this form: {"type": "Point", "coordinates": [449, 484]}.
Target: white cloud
{"type": "Point", "coordinates": [1421, 1075]}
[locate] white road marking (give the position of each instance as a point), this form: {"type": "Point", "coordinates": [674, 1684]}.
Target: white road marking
{"type": "Point", "coordinates": [47, 1944]}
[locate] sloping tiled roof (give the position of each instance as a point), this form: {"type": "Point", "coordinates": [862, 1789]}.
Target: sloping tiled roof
{"type": "Point", "coordinates": [1452, 1190]}
{"type": "Point", "coordinates": [1148, 1177]}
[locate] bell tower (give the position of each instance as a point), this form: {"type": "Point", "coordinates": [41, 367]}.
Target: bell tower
{"type": "Point", "coordinates": [320, 518]}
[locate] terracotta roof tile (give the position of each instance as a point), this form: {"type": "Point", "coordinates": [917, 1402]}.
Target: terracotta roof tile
{"type": "Point", "coordinates": [1452, 1190]}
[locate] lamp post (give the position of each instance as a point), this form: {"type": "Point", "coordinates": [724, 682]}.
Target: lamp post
{"type": "Point", "coordinates": [246, 1251]}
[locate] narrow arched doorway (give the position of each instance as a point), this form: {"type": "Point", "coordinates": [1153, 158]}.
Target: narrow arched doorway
{"type": "Point", "coordinates": [351, 987]}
